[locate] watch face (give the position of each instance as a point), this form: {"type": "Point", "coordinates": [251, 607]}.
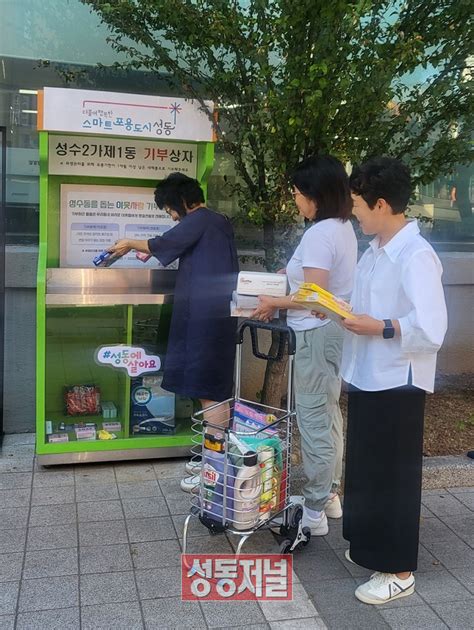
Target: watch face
{"type": "Point", "coordinates": [389, 330]}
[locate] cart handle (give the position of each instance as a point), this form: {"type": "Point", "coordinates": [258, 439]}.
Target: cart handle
{"type": "Point", "coordinates": [286, 333]}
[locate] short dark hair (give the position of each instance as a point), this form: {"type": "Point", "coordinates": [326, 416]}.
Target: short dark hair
{"type": "Point", "coordinates": [383, 178]}
{"type": "Point", "coordinates": [323, 179]}
{"type": "Point", "coordinates": [177, 190]}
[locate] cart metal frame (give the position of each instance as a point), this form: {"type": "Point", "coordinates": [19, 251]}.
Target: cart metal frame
{"type": "Point", "coordinates": [295, 535]}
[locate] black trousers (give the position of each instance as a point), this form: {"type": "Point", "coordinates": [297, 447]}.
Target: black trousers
{"type": "Point", "coordinates": [382, 494]}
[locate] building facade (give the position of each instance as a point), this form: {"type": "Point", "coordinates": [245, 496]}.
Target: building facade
{"type": "Point", "coordinates": [43, 46]}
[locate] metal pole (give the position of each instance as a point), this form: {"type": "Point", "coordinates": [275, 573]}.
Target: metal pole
{"type": "Point", "coordinates": [238, 363]}
{"type": "Point", "coordinates": [3, 180]}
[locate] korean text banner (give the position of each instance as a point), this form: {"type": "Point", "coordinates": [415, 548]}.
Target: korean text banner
{"type": "Point", "coordinates": [116, 157]}
{"type": "Point", "coordinates": [118, 114]}
{"type": "Point", "coordinates": [94, 217]}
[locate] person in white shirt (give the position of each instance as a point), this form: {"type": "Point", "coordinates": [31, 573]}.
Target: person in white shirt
{"type": "Point", "coordinates": [389, 362]}
{"type": "Point", "coordinates": [327, 256]}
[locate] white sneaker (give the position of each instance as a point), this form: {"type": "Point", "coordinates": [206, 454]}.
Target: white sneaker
{"type": "Point", "coordinates": [384, 587]}
{"type": "Point", "coordinates": [193, 467]}
{"type": "Point", "coordinates": [333, 507]}
{"type": "Point", "coordinates": [318, 526]}
{"type": "Point", "coordinates": [188, 484]}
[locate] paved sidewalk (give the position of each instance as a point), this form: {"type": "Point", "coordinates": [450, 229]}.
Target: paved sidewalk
{"type": "Point", "coordinates": [444, 596]}
{"type": "Point", "coordinates": [97, 547]}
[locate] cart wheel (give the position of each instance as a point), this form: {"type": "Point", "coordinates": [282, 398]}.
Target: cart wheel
{"type": "Point", "coordinates": [306, 532]}
{"type": "Point", "coordinates": [296, 516]}
{"type": "Point", "coordinates": [285, 546]}
{"type": "Point", "coordinates": [293, 521]}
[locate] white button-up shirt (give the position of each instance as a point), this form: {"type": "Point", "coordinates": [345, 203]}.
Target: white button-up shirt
{"type": "Point", "coordinates": [401, 280]}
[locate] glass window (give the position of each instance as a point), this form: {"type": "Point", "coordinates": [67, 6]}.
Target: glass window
{"type": "Point", "coordinates": [20, 79]}
{"type": "Point", "coordinates": [447, 203]}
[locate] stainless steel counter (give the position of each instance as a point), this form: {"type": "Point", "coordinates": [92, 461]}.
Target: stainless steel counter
{"type": "Point", "coordinates": [83, 457]}
{"type": "Point", "coordinates": [105, 287]}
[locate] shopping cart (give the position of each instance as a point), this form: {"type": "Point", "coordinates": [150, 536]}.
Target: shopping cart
{"type": "Point", "coordinates": [242, 451]}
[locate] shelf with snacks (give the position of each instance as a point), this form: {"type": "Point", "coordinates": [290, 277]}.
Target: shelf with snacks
{"type": "Point", "coordinates": [81, 393]}
{"type": "Point", "coordinates": [61, 428]}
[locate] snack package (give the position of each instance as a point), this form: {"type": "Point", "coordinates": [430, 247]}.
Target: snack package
{"type": "Point", "coordinates": [105, 259]}
{"type": "Point", "coordinates": [248, 419]}
{"type": "Point", "coordinates": [55, 438]}
{"type": "Point", "coordinates": [151, 407]}
{"type": "Point", "coordinates": [142, 257]}
{"type": "Point", "coordinates": [105, 435]}
{"type": "Point", "coordinates": [85, 433]}
{"type": "Point", "coordinates": [82, 400]}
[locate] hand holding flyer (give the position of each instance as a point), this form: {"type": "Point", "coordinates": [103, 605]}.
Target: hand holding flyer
{"type": "Point", "coordinates": [315, 298]}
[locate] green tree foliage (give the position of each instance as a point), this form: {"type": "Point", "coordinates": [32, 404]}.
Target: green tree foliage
{"type": "Point", "coordinates": [294, 78]}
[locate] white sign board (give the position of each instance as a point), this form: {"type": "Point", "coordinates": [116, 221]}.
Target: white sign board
{"type": "Point", "coordinates": [118, 114]}
{"type": "Point", "coordinates": [113, 157]}
{"type": "Point", "coordinates": [130, 358]}
{"type": "Point", "coordinates": [94, 217]}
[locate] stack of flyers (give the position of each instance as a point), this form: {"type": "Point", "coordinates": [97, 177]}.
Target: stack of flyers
{"type": "Point", "coordinates": [315, 298]}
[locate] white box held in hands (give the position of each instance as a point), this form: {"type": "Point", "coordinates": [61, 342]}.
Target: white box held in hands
{"type": "Point", "coordinates": [245, 301]}
{"type": "Point", "coordinates": [261, 283]}
{"type": "Point", "coordinates": [239, 311]}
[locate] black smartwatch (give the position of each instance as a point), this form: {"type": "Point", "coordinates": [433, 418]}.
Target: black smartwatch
{"type": "Point", "coordinates": [389, 330]}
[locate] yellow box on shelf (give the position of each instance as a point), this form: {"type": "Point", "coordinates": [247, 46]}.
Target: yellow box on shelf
{"type": "Point", "coordinates": [315, 298]}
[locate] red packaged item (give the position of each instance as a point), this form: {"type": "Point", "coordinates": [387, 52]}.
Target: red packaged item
{"type": "Point", "coordinates": [283, 486]}
{"type": "Point", "coordinates": [82, 400]}
{"type": "Point", "coordinates": [143, 257]}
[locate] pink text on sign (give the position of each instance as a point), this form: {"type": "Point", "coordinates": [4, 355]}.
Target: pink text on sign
{"type": "Point", "coordinates": [210, 577]}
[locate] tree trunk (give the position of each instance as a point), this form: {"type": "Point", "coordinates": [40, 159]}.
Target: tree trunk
{"type": "Point", "coordinates": [269, 245]}
{"type": "Point", "coordinates": [274, 376]}
{"type": "Point", "coordinates": [275, 383]}
{"type": "Point", "coordinates": [275, 371]}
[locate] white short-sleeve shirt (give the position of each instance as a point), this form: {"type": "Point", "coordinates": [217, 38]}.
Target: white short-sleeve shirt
{"type": "Point", "coordinates": [329, 244]}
